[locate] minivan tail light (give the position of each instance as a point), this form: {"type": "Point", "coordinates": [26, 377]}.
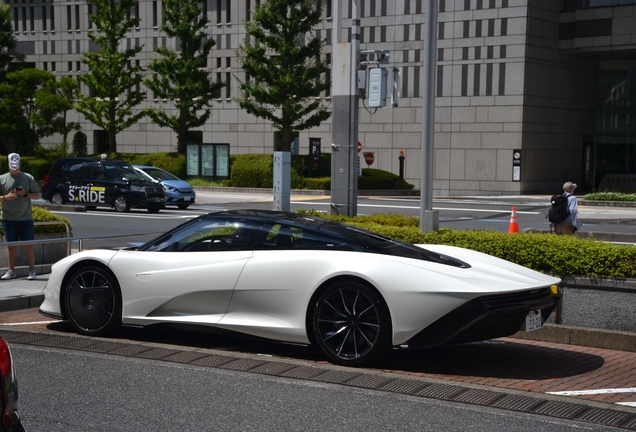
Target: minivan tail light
{"type": "Point", "coordinates": [46, 179]}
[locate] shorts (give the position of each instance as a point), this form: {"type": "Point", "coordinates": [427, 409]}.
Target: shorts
{"type": "Point", "coordinates": [18, 230]}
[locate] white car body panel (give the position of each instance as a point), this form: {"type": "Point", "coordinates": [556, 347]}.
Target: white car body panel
{"type": "Point", "coordinates": [268, 293]}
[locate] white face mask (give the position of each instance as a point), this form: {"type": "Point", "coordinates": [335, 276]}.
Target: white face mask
{"type": "Point", "coordinates": [14, 161]}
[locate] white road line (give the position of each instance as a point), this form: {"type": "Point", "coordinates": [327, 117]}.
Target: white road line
{"type": "Point", "coordinates": [31, 323]}
{"type": "Point", "coordinates": [627, 403]}
{"type": "Point", "coordinates": [417, 208]}
{"type": "Point", "coordinates": [594, 392]}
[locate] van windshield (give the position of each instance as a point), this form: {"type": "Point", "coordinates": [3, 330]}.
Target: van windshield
{"type": "Point", "coordinates": [123, 172]}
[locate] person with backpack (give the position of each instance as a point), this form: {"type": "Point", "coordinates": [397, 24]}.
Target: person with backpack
{"type": "Point", "coordinates": [565, 210]}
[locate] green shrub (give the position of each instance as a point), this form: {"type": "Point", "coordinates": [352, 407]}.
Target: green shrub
{"type": "Point", "coordinates": [375, 179]}
{"type": "Point", "coordinates": [257, 171]}
{"type": "Point", "coordinates": [610, 196]}
{"type": "Point", "coordinates": [171, 162]}
{"type": "Point", "coordinates": [547, 253]}
{"type": "Point", "coordinates": [43, 215]}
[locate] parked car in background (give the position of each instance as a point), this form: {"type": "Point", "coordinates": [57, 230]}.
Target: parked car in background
{"type": "Point", "coordinates": [178, 192]}
{"type": "Point", "coordinates": [9, 388]}
{"type": "Point", "coordinates": [101, 182]}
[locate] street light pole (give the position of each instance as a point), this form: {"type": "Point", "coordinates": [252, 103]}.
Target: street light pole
{"type": "Point", "coordinates": [429, 218]}
{"type": "Point", "coordinates": [345, 104]}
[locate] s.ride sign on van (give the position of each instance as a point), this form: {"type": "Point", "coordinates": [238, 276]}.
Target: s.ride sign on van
{"type": "Point", "coordinates": [101, 183]}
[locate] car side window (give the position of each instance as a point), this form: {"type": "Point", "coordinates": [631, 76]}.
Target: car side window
{"type": "Point", "coordinates": [209, 235]}
{"type": "Point", "coordinates": [282, 237]}
{"type": "Point", "coordinates": [78, 170]}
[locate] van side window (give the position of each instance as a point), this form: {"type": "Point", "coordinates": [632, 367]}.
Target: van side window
{"type": "Point", "coordinates": [78, 170]}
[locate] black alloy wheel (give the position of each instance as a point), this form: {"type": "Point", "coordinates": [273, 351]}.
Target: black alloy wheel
{"type": "Point", "coordinates": [351, 324]}
{"type": "Point", "coordinates": [93, 301]}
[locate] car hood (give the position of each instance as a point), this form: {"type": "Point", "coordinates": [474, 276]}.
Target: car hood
{"type": "Point", "coordinates": [178, 184]}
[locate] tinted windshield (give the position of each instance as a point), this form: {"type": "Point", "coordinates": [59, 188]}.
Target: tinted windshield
{"type": "Point", "coordinates": [159, 174]}
{"type": "Point", "coordinates": [123, 172]}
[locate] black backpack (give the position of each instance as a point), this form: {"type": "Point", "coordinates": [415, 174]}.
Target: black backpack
{"type": "Point", "coordinates": [559, 210]}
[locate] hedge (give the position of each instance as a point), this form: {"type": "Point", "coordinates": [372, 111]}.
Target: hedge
{"type": "Point", "coordinates": [43, 215]}
{"type": "Point", "coordinates": [547, 253]}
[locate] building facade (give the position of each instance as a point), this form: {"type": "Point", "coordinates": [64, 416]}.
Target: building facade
{"type": "Point", "coordinates": [529, 93]}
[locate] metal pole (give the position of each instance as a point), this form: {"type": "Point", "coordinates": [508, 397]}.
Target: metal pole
{"type": "Point", "coordinates": [429, 219]}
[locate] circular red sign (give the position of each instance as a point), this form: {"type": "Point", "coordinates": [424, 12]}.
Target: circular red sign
{"type": "Point", "coordinates": [359, 146]}
{"type": "Point", "coordinates": [369, 158]}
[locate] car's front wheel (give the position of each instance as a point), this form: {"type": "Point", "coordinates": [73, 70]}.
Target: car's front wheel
{"type": "Point", "coordinates": [351, 324]}
{"type": "Point", "coordinates": [121, 204]}
{"type": "Point", "coordinates": [154, 208]}
{"type": "Point", "coordinates": [93, 301]}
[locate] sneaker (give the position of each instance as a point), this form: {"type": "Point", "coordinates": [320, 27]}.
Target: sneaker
{"type": "Point", "coordinates": [31, 275]}
{"type": "Point", "coordinates": [10, 274]}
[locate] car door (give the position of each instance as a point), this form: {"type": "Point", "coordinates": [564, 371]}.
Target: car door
{"type": "Point", "coordinates": [186, 278]}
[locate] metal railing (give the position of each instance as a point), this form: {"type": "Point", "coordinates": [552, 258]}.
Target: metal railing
{"type": "Point", "coordinates": [69, 240]}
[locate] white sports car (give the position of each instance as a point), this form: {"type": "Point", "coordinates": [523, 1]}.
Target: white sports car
{"type": "Point", "coordinates": [303, 279]}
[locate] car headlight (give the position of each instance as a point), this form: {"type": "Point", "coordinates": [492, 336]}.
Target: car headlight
{"type": "Point", "coordinates": [137, 188]}
{"type": "Point", "coordinates": [170, 188]}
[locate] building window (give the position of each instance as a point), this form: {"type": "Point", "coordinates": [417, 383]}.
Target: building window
{"type": "Point", "coordinates": [155, 17]}
{"type": "Point", "coordinates": [328, 10]}
{"type": "Point", "coordinates": [32, 18]}
{"type": "Point", "coordinates": [228, 12]}
{"type": "Point", "coordinates": [77, 17]}
{"type": "Point", "coordinates": [90, 12]}
{"type": "Point", "coordinates": [218, 12]}
{"type": "Point", "coordinates": [69, 18]}
{"type": "Point", "coordinates": [24, 19]}
{"type": "Point", "coordinates": [228, 86]}
{"type": "Point", "coordinates": [52, 22]}
{"type": "Point", "coordinates": [248, 10]}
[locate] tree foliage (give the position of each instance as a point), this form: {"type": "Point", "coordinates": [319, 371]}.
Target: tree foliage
{"type": "Point", "coordinates": [114, 77]}
{"type": "Point", "coordinates": [55, 100]}
{"type": "Point", "coordinates": [181, 76]}
{"type": "Point", "coordinates": [282, 62]}
{"type": "Point", "coordinates": [19, 104]}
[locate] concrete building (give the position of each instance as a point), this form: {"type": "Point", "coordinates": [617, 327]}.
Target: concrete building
{"type": "Point", "coordinates": [529, 93]}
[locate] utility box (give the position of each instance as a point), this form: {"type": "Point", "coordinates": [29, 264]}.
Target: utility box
{"type": "Point", "coordinates": [377, 87]}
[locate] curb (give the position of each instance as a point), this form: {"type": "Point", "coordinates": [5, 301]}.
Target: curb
{"type": "Point", "coordinates": [555, 333]}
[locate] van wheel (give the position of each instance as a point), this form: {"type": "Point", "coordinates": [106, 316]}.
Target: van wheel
{"type": "Point", "coordinates": [153, 209]}
{"type": "Point", "coordinates": [121, 204]}
{"type": "Point", "coordinates": [56, 198]}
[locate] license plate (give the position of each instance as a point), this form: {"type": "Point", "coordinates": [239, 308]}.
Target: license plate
{"type": "Point", "coordinates": [533, 320]}
{"type": "Point", "coordinates": [187, 198]}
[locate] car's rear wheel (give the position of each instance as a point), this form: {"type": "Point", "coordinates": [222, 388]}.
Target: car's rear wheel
{"type": "Point", "coordinates": [351, 324]}
{"type": "Point", "coordinates": [57, 198]}
{"type": "Point", "coordinates": [93, 301]}
{"type": "Point", "coordinates": [154, 208]}
{"type": "Point", "coordinates": [182, 206]}
{"type": "Point", "coordinates": [121, 204]}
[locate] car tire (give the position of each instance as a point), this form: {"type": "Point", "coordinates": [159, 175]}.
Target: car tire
{"type": "Point", "coordinates": [182, 206]}
{"type": "Point", "coordinates": [351, 324]}
{"type": "Point", "coordinates": [93, 301]}
{"type": "Point", "coordinates": [153, 209]}
{"type": "Point", "coordinates": [121, 204]}
{"type": "Point", "coordinates": [57, 198]}
{"type": "Point", "coordinates": [91, 208]}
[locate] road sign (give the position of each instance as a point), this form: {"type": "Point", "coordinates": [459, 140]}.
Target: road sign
{"type": "Point", "coordinates": [369, 158]}
{"type": "Point", "coordinates": [359, 146]}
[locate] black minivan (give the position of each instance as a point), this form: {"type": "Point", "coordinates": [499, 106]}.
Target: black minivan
{"type": "Point", "coordinates": [101, 182]}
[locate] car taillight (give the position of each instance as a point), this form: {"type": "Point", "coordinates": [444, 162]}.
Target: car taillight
{"type": "Point", "coordinates": [9, 386]}
{"type": "Point", "coordinates": [46, 179]}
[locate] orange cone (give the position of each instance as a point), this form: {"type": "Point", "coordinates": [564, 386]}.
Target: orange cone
{"type": "Point", "coordinates": [514, 226]}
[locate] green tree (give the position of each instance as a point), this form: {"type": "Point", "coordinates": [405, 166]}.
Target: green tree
{"type": "Point", "coordinates": [19, 94]}
{"type": "Point", "coordinates": [282, 62]}
{"type": "Point", "coordinates": [114, 78]}
{"type": "Point", "coordinates": [181, 75]}
{"type": "Point", "coordinates": [54, 101]}
{"type": "Point", "coordinates": [8, 42]}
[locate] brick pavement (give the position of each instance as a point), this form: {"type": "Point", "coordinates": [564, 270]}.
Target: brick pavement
{"type": "Point", "coordinates": [506, 363]}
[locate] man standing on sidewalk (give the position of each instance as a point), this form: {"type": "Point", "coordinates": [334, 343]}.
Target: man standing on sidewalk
{"type": "Point", "coordinates": [17, 188]}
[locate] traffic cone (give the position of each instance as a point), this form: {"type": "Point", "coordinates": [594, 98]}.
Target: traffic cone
{"type": "Point", "coordinates": [514, 226]}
